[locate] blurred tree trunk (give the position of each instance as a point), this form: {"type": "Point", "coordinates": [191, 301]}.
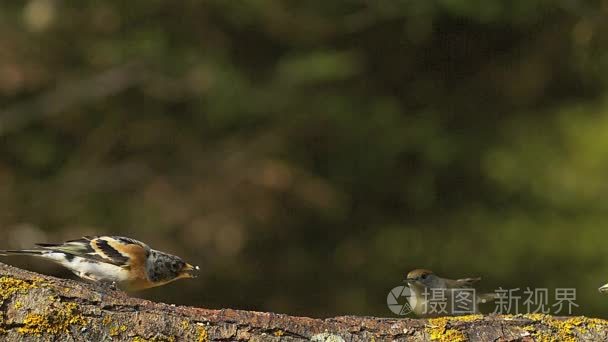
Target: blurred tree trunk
{"type": "Point", "coordinates": [36, 307]}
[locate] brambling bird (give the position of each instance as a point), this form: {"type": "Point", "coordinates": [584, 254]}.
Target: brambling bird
{"type": "Point", "coordinates": [125, 262]}
{"type": "Point", "coordinates": [603, 288]}
{"type": "Point", "coordinates": [433, 296]}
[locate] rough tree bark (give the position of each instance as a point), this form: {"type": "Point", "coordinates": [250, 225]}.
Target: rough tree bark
{"type": "Point", "coordinates": [36, 307]}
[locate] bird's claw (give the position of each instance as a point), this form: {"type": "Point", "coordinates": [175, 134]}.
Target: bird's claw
{"type": "Point", "coordinates": [104, 286]}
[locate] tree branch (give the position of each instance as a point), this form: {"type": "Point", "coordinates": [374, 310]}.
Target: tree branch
{"type": "Point", "coordinates": [35, 307]}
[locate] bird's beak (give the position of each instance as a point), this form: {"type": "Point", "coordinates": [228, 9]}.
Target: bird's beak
{"type": "Point", "coordinates": [409, 280]}
{"type": "Point", "coordinates": [604, 288]}
{"type": "Point", "coordinates": [188, 271]}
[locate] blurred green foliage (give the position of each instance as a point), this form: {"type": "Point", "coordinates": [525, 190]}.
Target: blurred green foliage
{"type": "Point", "coordinates": [308, 154]}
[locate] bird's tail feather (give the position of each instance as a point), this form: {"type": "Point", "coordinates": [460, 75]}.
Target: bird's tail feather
{"type": "Point", "coordinates": [21, 252]}
{"type": "Point", "coordinates": [49, 244]}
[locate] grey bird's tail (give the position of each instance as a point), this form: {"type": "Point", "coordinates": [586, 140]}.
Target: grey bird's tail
{"type": "Point", "coordinates": [21, 252]}
{"type": "Point", "coordinates": [487, 297]}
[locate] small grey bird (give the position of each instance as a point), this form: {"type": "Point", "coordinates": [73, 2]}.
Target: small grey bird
{"type": "Point", "coordinates": [126, 262]}
{"type": "Point", "coordinates": [433, 296]}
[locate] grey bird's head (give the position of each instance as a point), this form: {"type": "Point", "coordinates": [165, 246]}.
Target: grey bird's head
{"type": "Point", "coordinates": [421, 278]}
{"type": "Point", "coordinates": [164, 268]}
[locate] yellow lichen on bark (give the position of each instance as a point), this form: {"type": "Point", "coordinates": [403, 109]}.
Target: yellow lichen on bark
{"type": "Point", "coordinates": [10, 286]}
{"type": "Point", "coordinates": [567, 330]}
{"type": "Point", "coordinates": [55, 322]}
{"type": "Point", "coordinates": [203, 336]}
{"type": "Point", "coordinates": [439, 328]}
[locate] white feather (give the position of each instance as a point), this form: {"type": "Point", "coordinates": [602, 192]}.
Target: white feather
{"type": "Point", "coordinates": [92, 270]}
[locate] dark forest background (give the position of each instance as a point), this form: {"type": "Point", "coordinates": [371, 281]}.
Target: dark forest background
{"type": "Point", "coordinates": [308, 154]}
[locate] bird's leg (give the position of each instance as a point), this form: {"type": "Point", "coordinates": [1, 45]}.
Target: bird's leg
{"type": "Point", "coordinates": [112, 286]}
{"type": "Point", "coordinates": [104, 286]}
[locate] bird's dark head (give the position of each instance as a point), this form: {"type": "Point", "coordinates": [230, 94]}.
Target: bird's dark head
{"type": "Point", "coordinates": [163, 267]}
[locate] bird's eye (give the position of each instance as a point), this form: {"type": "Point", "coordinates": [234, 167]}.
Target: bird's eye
{"type": "Point", "coordinates": [424, 276]}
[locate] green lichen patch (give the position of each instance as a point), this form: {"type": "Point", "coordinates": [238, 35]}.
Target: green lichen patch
{"type": "Point", "coordinates": [54, 322]}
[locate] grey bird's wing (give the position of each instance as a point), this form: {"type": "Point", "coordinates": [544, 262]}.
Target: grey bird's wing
{"type": "Point", "coordinates": [461, 283]}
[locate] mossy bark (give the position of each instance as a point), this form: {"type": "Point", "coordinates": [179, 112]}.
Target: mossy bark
{"type": "Point", "coordinates": [36, 307]}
